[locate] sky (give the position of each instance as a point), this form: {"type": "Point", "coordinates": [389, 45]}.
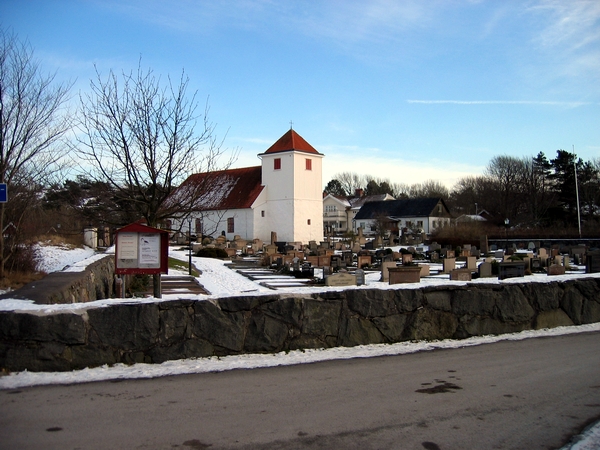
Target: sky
{"type": "Point", "coordinates": [405, 90]}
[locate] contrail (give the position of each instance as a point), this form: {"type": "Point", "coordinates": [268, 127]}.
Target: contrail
{"type": "Point", "coordinates": [498, 102]}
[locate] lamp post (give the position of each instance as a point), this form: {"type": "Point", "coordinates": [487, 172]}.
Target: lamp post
{"type": "Point", "coordinates": [190, 245]}
{"type": "Point", "coordinates": [506, 222]}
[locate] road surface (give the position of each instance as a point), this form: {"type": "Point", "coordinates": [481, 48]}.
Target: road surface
{"type": "Point", "coordinates": [531, 394]}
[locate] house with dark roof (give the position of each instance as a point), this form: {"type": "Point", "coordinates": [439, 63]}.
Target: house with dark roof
{"type": "Point", "coordinates": [420, 215]}
{"type": "Point", "coordinates": [282, 195]}
{"type": "Point", "coordinates": [339, 211]}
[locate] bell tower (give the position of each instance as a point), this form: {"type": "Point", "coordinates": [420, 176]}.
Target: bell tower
{"type": "Point", "coordinates": [292, 176]}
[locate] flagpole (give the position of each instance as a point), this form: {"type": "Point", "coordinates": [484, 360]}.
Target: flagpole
{"type": "Point", "coordinates": [577, 192]}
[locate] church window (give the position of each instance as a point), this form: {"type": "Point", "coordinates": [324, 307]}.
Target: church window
{"type": "Point", "coordinates": [262, 213]}
{"type": "Point", "coordinates": [198, 225]}
{"type": "Point", "coordinates": [308, 222]}
{"type": "Point", "coordinates": [277, 163]}
{"type": "Point", "coordinates": [230, 225]}
{"type": "Point", "coordinates": [308, 164]}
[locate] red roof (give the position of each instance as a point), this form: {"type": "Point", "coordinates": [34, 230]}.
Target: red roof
{"type": "Point", "coordinates": [226, 189]}
{"type": "Point", "coordinates": [291, 141]}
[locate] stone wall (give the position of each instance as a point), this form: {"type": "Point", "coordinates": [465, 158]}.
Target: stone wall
{"type": "Point", "coordinates": [96, 282]}
{"type": "Point", "coordinates": [156, 332]}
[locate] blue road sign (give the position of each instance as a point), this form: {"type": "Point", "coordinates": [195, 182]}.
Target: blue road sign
{"type": "Point", "coordinates": [3, 193]}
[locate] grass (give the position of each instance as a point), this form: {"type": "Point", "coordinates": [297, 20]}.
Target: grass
{"type": "Point", "coordinates": [15, 280]}
{"type": "Point", "coordinates": [177, 264]}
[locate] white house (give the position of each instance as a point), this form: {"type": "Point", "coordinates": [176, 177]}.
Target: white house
{"type": "Point", "coordinates": [339, 211]}
{"type": "Point", "coordinates": [418, 214]}
{"type": "Point", "coordinates": [283, 195]}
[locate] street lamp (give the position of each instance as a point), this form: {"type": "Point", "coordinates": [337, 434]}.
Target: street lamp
{"type": "Point", "coordinates": [506, 222]}
{"type": "Point", "coordinates": [190, 245]}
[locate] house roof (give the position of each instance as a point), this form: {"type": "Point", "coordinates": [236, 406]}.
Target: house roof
{"type": "Point", "coordinates": [358, 202]}
{"type": "Point", "coordinates": [414, 207]}
{"type": "Point", "coordinates": [225, 189]}
{"type": "Point", "coordinates": [339, 198]}
{"type": "Point", "coordinates": [291, 141]}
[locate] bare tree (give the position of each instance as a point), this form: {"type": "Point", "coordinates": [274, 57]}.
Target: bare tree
{"type": "Point", "coordinates": [429, 189]}
{"type": "Point", "coordinates": [144, 137]}
{"type": "Point", "coordinates": [351, 181]}
{"type": "Point", "coordinates": [32, 120]}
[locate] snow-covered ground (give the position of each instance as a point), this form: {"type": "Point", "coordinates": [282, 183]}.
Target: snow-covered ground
{"type": "Point", "coordinates": [220, 282]}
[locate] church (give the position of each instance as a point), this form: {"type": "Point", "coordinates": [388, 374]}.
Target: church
{"type": "Point", "coordinates": [284, 194]}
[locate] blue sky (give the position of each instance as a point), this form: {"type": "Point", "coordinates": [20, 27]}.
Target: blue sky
{"type": "Point", "coordinates": [406, 90]}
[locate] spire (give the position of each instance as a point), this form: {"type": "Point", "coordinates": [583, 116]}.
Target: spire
{"type": "Point", "coordinates": [291, 141]}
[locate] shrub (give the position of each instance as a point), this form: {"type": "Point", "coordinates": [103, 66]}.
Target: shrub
{"type": "Point", "coordinates": [211, 253]}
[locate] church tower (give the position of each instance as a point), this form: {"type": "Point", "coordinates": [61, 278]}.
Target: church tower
{"type": "Point", "coordinates": [292, 176]}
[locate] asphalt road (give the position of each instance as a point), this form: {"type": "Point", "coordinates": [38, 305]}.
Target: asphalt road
{"type": "Point", "coordinates": [531, 394]}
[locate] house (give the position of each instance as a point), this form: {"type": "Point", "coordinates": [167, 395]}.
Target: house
{"type": "Point", "coordinates": [282, 195]}
{"type": "Point", "coordinates": [418, 215]}
{"type": "Point", "coordinates": [339, 211]}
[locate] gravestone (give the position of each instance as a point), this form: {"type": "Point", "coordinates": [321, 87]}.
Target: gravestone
{"type": "Point", "coordinates": [536, 264]}
{"type": "Point", "coordinates": [363, 260]}
{"type": "Point", "coordinates": [360, 277]}
{"type": "Point", "coordinates": [434, 246]}
{"type": "Point", "coordinates": [407, 258]}
{"type": "Point", "coordinates": [556, 269]}
{"type": "Point", "coordinates": [511, 270]}
{"type": "Point", "coordinates": [499, 254]}
{"type": "Point", "coordinates": [424, 270]}
{"type": "Point", "coordinates": [485, 270]}
{"type": "Point", "coordinates": [592, 263]}
{"type": "Point", "coordinates": [385, 266]}
{"type": "Point", "coordinates": [341, 279]}
{"type": "Point", "coordinates": [566, 261]}
{"type": "Point", "coordinates": [471, 263]}
{"type": "Point", "coordinates": [407, 274]}
{"type": "Point", "coordinates": [460, 275]}
{"type": "Point", "coordinates": [483, 244]}
{"type": "Point", "coordinates": [448, 264]}
{"type": "Point", "coordinates": [450, 254]}
{"type": "Point", "coordinates": [542, 253]}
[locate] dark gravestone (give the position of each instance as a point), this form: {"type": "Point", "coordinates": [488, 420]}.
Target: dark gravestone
{"type": "Point", "coordinates": [592, 262]}
{"type": "Point", "coordinates": [360, 277]}
{"type": "Point", "coordinates": [511, 270]}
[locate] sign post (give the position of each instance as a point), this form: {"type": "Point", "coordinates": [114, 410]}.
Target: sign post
{"type": "Point", "coordinates": [140, 249]}
{"type": "Point", "coordinates": [3, 193]}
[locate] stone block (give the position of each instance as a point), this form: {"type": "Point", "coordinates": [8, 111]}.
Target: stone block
{"type": "Point", "coordinates": [407, 274]}
{"type": "Point", "coordinates": [461, 275]}
{"type": "Point", "coordinates": [556, 269]}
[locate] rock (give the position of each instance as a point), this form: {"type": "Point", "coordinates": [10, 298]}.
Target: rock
{"type": "Point", "coordinates": [440, 300]}
{"type": "Point", "coordinates": [512, 305]}
{"type": "Point", "coordinates": [545, 297]}
{"type": "Point", "coordinates": [359, 331]}
{"type": "Point", "coordinates": [392, 327]}
{"type": "Point", "coordinates": [265, 334]}
{"type": "Point", "coordinates": [127, 327]}
{"type": "Point", "coordinates": [371, 303]}
{"type": "Point", "coordinates": [552, 319]}
{"type": "Point", "coordinates": [321, 318]}
{"type": "Point", "coordinates": [66, 328]}
{"type": "Point", "coordinates": [221, 329]}
{"type": "Point", "coordinates": [288, 310]}
{"type": "Point", "coordinates": [572, 303]}
{"type": "Point", "coordinates": [431, 324]}
{"type": "Point", "coordinates": [474, 301]}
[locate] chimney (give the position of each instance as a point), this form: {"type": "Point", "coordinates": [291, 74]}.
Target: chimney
{"type": "Point", "coordinates": [359, 192]}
